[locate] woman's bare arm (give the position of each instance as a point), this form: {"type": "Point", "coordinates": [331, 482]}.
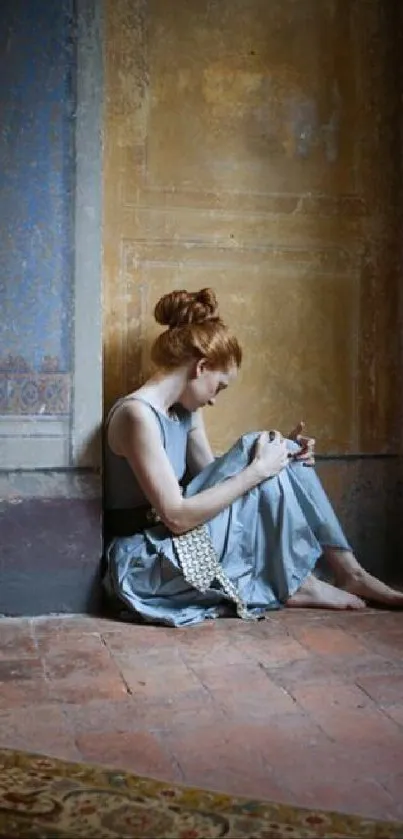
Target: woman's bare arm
{"type": "Point", "coordinates": [134, 433]}
{"type": "Point", "coordinates": [199, 453]}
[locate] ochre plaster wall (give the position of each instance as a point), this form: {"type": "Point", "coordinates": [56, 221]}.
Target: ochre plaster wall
{"type": "Point", "coordinates": [252, 146]}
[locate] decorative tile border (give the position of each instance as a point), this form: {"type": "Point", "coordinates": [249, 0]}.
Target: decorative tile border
{"type": "Point", "coordinates": [36, 394]}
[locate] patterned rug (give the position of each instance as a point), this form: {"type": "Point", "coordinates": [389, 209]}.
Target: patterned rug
{"type": "Point", "coordinates": [45, 798]}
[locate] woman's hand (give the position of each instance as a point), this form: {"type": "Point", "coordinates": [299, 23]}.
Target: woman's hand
{"type": "Point", "coordinates": [270, 454]}
{"type": "Point", "coordinates": [307, 446]}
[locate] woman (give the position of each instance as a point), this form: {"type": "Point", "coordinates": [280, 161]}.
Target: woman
{"type": "Point", "coordinates": [248, 528]}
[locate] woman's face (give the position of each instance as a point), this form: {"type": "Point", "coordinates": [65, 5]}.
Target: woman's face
{"type": "Point", "coordinates": [205, 384]}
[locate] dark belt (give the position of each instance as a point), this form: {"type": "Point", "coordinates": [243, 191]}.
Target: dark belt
{"type": "Point", "coordinates": [128, 522]}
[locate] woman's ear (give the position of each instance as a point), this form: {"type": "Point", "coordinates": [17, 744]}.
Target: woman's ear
{"type": "Point", "coordinates": [200, 368]}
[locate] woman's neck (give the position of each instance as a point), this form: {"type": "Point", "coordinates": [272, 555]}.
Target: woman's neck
{"type": "Point", "coordinates": [164, 389]}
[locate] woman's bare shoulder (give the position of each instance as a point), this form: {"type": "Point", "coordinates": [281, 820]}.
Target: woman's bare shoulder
{"type": "Point", "coordinates": [131, 413]}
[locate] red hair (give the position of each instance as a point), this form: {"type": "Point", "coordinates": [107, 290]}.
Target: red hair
{"type": "Point", "coordinates": [195, 331]}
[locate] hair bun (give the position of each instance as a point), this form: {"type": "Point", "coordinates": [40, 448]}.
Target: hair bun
{"type": "Point", "coordinates": [180, 308]}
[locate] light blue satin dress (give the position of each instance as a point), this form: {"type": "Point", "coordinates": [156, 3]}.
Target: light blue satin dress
{"type": "Point", "coordinates": [268, 541]}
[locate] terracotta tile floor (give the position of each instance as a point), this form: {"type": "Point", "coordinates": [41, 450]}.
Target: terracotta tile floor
{"type": "Point", "coordinates": [305, 707]}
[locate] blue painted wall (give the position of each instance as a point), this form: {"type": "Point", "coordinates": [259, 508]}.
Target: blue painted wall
{"type": "Point", "coordinates": [37, 59]}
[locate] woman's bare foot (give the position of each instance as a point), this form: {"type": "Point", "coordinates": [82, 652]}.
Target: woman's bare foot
{"type": "Point", "coordinates": [351, 577]}
{"type": "Point", "coordinates": [317, 594]}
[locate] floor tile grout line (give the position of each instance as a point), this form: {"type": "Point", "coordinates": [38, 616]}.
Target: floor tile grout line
{"type": "Point", "coordinates": [127, 687]}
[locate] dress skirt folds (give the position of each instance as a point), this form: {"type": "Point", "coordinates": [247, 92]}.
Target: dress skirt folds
{"type": "Point", "coordinates": [268, 542]}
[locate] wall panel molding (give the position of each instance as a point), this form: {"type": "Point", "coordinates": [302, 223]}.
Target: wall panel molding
{"type": "Point", "coordinates": [25, 442]}
{"type": "Point", "coordinates": [87, 390]}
